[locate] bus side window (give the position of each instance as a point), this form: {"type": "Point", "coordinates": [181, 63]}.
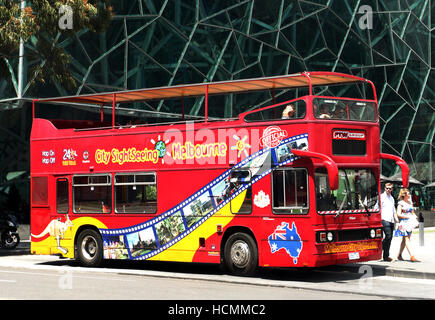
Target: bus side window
{"type": "Point", "coordinates": [39, 191]}
{"type": "Point", "coordinates": [290, 191]}
{"type": "Point", "coordinates": [62, 195]}
{"type": "Point", "coordinates": [136, 193]}
{"type": "Point", "coordinates": [237, 179]}
{"type": "Point", "coordinates": [287, 110]}
{"type": "Point", "coordinates": [92, 193]}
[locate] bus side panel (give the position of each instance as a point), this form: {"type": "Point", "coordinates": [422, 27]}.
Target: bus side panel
{"type": "Point", "coordinates": [202, 244]}
{"type": "Point", "coordinates": [250, 223]}
{"type": "Point", "coordinates": [174, 186]}
{"type": "Point", "coordinates": [39, 227]}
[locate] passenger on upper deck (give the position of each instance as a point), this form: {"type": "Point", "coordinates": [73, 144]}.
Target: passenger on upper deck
{"type": "Point", "coordinates": [288, 112]}
{"type": "Point", "coordinates": [339, 112]}
{"type": "Point", "coordinates": [324, 112]}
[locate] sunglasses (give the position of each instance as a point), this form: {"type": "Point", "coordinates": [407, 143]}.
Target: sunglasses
{"type": "Point", "coordinates": [388, 188]}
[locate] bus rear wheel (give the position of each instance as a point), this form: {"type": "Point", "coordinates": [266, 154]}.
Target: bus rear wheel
{"type": "Point", "coordinates": [89, 248]}
{"type": "Point", "coordinates": [240, 254]}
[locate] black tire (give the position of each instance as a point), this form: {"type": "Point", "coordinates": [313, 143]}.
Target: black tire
{"type": "Point", "coordinates": [10, 239]}
{"type": "Point", "coordinates": [89, 248]}
{"type": "Point", "coordinates": [241, 254]}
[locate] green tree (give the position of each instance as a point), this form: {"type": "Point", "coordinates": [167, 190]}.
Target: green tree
{"type": "Point", "coordinates": [39, 23]}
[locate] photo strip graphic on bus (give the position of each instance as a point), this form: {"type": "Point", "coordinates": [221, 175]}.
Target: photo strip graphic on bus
{"type": "Point", "coordinates": [147, 239]}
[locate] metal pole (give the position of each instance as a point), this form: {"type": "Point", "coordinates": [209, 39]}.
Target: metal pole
{"type": "Point", "coordinates": [33, 108]}
{"type": "Point", "coordinates": [182, 108]}
{"type": "Point", "coordinates": [113, 111]}
{"type": "Point", "coordinates": [21, 60]}
{"type": "Point", "coordinates": [206, 103]}
{"type": "Point", "coordinates": [420, 227]}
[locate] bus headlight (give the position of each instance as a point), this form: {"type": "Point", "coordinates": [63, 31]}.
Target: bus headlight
{"type": "Point", "coordinates": [372, 233]}
{"type": "Point", "coordinates": [330, 236]}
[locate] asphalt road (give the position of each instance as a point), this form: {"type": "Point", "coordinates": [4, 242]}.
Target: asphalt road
{"type": "Point", "coordinates": [50, 278]}
{"type": "Point", "coordinates": [64, 284]}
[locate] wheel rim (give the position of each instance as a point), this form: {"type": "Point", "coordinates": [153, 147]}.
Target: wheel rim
{"type": "Point", "coordinates": [240, 254]}
{"type": "Point", "coordinates": [89, 247]}
{"type": "Point", "coordinates": [10, 239]}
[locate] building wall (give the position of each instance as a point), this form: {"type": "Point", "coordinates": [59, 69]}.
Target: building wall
{"type": "Point", "coordinates": [160, 43]}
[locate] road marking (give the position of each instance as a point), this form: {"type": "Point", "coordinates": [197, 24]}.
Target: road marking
{"type": "Point", "coordinates": [12, 281]}
{"type": "Point", "coordinates": [61, 272]}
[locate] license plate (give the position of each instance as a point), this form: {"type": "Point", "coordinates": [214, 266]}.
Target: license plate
{"type": "Point", "coordinates": [353, 255]}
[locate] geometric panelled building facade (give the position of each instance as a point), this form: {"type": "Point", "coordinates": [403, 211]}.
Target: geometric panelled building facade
{"type": "Point", "coordinates": [154, 43]}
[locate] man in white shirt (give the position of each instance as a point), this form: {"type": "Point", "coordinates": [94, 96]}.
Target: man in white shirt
{"type": "Point", "coordinates": [388, 211]}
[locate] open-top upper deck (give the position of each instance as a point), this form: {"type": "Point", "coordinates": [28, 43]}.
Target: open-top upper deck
{"type": "Point", "coordinates": [254, 123]}
{"type": "Point", "coordinates": [299, 80]}
{"type": "Point", "coordinates": [307, 80]}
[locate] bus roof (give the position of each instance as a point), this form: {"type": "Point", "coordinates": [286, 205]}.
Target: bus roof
{"type": "Point", "coordinates": [305, 79]}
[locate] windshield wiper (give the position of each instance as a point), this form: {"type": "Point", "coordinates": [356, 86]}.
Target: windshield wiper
{"type": "Point", "coordinates": [341, 206]}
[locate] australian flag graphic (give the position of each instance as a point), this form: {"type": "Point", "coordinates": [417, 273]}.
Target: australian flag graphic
{"type": "Point", "coordinates": [288, 239]}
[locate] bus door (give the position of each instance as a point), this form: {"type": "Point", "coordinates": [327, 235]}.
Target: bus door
{"type": "Point", "coordinates": [63, 195]}
{"type": "Point", "coordinates": [63, 210]}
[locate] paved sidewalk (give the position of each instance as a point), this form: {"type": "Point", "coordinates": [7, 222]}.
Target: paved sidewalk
{"type": "Point", "coordinates": [425, 269]}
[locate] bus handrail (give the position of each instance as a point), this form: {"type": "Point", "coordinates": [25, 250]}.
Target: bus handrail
{"type": "Point", "coordinates": [402, 164]}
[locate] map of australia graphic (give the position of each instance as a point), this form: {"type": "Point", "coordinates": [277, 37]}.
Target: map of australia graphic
{"type": "Point", "coordinates": [287, 239]}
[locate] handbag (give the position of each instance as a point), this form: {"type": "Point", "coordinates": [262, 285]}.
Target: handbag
{"type": "Point", "coordinates": [412, 223]}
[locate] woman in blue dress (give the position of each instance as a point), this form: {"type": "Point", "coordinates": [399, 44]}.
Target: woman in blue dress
{"type": "Point", "coordinates": [407, 222]}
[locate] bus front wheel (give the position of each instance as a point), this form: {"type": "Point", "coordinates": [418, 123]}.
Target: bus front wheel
{"type": "Point", "coordinates": [89, 248]}
{"type": "Point", "coordinates": [240, 254]}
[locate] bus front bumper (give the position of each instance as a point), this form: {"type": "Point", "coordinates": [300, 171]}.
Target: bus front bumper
{"type": "Point", "coordinates": [347, 252]}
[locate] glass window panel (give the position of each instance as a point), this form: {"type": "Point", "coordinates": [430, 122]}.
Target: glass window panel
{"type": "Point", "coordinates": [285, 111]}
{"type": "Point", "coordinates": [424, 124]}
{"type": "Point", "coordinates": [136, 199]}
{"type": "Point", "coordinates": [99, 180]}
{"type": "Point", "coordinates": [290, 191]}
{"type": "Point", "coordinates": [357, 190]}
{"type": "Point", "coordinates": [82, 180]}
{"type": "Point", "coordinates": [92, 199]}
{"type": "Point", "coordinates": [92, 194]}
{"type": "Point", "coordinates": [62, 195]}
{"type": "Point", "coordinates": [135, 193]}
{"type": "Point", "coordinates": [124, 178]}
{"type": "Point", "coordinates": [40, 191]}
{"type": "Point", "coordinates": [325, 108]}
{"type": "Point", "coordinates": [91, 180]}
{"type": "Point", "coordinates": [398, 126]}
{"type": "Point", "coordinates": [237, 180]}
{"type": "Point", "coordinates": [417, 36]}
{"type": "Point", "coordinates": [146, 178]}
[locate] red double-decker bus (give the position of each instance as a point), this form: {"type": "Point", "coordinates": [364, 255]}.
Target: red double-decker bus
{"type": "Point", "coordinates": [293, 184]}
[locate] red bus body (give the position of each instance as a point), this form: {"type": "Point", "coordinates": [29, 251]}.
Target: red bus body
{"type": "Point", "coordinates": [178, 192]}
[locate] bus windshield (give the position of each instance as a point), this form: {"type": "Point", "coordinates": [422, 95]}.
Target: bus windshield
{"type": "Point", "coordinates": [338, 109]}
{"type": "Point", "coordinates": [357, 191]}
